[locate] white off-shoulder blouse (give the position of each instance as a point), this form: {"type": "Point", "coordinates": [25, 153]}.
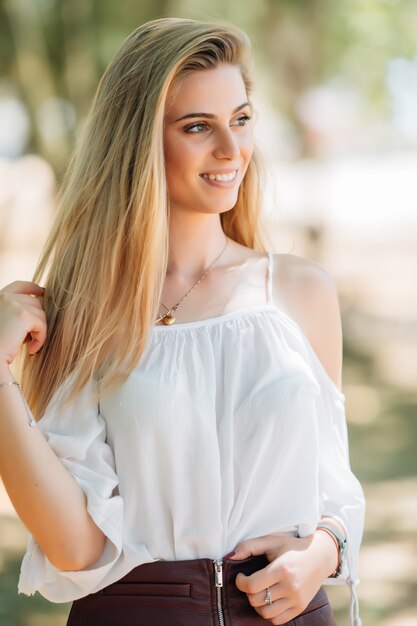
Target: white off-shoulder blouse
{"type": "Point", "coordinates": [228, 429]}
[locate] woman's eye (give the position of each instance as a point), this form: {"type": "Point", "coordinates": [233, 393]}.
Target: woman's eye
{"type": "Point", "coordinates": [243, 120]}
{"type": "Point", "coordinates": [195, 128]}
{"type": "Point", "coordinates": [200, 127]}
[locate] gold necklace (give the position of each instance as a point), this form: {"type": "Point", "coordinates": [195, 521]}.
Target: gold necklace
{"type": "Point", "coordinates": [168, 318]}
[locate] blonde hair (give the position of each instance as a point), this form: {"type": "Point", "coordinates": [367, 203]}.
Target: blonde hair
{"type": "Point", "coordinates": [106, 256]}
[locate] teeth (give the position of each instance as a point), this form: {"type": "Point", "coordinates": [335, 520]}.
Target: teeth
{"type": "Point", "coordinates": [220, 177]}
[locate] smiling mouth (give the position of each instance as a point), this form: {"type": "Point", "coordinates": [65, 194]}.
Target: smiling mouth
{"type": "Point", "coordinates": [221, 178]}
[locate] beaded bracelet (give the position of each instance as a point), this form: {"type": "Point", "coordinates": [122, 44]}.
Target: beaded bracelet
{"type": "Point", "coordinates": [31, 420]}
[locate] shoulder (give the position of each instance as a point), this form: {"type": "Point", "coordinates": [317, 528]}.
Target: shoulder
{"type": "Point", "coordinates": [308, 294]}
{"type": "Point", "coordinates": [294, 275]}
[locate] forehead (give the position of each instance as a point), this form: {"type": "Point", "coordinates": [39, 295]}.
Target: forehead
{"type": "Point", "coordinates": [215, 89]}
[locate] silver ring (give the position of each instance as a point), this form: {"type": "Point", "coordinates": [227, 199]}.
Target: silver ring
{"type": "Point", "coordinates": [268, 599]}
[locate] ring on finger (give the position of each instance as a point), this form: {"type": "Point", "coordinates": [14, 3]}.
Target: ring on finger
{"type": "Point", "coordinates": [268, 599]}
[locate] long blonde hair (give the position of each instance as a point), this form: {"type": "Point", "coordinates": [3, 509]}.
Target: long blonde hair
{"type": "Point", "coordinates": [105, 259]}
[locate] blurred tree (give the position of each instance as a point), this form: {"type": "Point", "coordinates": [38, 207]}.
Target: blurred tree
{"type": "Point", "coordinates": [56, 50]}
{"type": "Point", "coordinates": [31, 63]}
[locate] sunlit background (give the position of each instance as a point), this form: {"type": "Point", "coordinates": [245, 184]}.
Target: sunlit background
{"type": "Point", "coordinates": [336, 94]}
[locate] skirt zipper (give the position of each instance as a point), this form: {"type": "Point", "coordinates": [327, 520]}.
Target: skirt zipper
{"type": "Point", "coordinates": [218, 581]}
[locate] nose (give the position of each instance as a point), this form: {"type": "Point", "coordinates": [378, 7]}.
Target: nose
{"type": "Point", "coordinates": [227, 146]}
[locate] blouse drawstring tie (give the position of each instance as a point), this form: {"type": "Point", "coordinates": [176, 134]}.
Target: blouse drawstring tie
{"type": "Point", "coordinates": [355, 620]}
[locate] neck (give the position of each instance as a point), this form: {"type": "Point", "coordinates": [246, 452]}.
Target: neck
{"type": "Point", "coordinates": [195, 240]}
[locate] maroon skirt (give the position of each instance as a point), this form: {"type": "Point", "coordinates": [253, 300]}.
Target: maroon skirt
{"type": "Point", "coordinates": [185, 593]}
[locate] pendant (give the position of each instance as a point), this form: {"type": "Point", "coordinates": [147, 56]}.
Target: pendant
{"type": "Point", "coordinates": [168, 320]}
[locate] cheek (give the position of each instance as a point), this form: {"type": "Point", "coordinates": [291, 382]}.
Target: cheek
{"type": "Point", "coordinates": [247, 146]}
{"type": "Point", "coordinates": [180, 156]}
{"type": "Point", "coordinates": [181, 169]}
{"type": "Point", "coordinates": [171, 154]}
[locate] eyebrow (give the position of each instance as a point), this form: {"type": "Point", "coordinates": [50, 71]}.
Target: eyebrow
{"type": "Point", "coordinates": [210, 115]}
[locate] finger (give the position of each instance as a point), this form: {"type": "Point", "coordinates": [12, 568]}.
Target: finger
{"type": "Point", "coordinates": [31, 303]}
{"type": "Point", "coordinates": [37, 334]}
{"type": "Point", "coordinates": [35, 311]}
{"type": "Point", "coordinates": [255, 546]}
{"type": "Point", "coordinates": [274, 610]}
{"type": "Point", "coordinates": [258, 581]}
{"type": "Point", "coordinates": [285, 616]}
{"type": "Point", "coordinates": [36, 342]}
{"type": "Point", "coordinates": [277, 593]}
{"type": "Point", "coordinates": [24, 287]}
{"type": "Point", "coordinates": [24, 298]}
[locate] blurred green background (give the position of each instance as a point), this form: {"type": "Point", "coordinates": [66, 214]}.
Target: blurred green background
{"type": "Point", "coordinates": [336, 92]}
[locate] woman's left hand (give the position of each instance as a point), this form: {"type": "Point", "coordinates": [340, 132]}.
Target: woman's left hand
{"type": "Point", "coordinates": [297, 568]}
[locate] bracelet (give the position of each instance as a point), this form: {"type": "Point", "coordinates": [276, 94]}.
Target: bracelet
{"type": "Point", "coordinates": [341, 542]}
{"type": "Point", "coordinates": [335, 543]}
{"type": "Point", "coordinates": [31, 420]}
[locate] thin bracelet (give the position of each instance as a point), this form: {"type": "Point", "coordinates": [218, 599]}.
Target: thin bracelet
{"type": "Point", "coordinates": [31, 420]}
{"type": "Point", "coordinates": [335, 543]}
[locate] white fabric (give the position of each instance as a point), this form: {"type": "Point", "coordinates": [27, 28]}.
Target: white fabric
{"type": "Point", "coordinates": [229, 428]}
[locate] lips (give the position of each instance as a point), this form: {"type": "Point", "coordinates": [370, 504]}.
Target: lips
{"type": "Point", "coordinates": [225, 177]}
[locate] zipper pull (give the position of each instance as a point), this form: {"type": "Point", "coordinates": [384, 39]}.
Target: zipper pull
{"type": "Point", "coordinates": [218, 573]}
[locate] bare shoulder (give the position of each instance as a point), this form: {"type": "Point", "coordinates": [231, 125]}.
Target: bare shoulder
{"type": "Point", "coordinates": [295, 275]}
{"type": "Point", "coordinates": [307, 292]}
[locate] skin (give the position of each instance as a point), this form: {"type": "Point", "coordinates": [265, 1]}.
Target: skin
{"type": "Point", "coordinates": [54, 511]}
{"type": "Point", "coordinates": [222, 141]}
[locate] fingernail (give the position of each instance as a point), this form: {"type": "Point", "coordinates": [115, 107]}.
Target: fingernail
{"type": "Point", "coordinates": [228, 556]}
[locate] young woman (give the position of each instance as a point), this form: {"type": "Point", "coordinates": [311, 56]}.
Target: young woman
{"type": "Point", "coordinates": [187, 462]}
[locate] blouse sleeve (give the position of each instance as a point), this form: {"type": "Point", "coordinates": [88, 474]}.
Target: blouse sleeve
{"type": "Point", "coordinates": [341, 495]}
{"type": "Point", "coordinates": [77, 434]}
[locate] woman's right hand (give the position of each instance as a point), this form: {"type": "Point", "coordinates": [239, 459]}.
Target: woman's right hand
{"type": "Point", "coordinates": [22, 319]}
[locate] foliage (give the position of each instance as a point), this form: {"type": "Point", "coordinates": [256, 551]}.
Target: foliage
{"type": "Point", "coordinates": [59, 48]}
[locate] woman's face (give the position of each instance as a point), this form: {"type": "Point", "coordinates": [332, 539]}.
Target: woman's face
{"type": "Point", "coordinates": [208, 140]}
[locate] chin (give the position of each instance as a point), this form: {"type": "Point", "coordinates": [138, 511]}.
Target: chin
{"type": "Point", "coordinates": [220, 205]}
{"type": "Point", "coordinates": [218, 208]}
{"type": "Point", "coordinates": [203, 205]}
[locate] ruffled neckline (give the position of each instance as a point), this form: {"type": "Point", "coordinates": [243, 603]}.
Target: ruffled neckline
{"type": "Point", "coordinates": [218, 320]}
